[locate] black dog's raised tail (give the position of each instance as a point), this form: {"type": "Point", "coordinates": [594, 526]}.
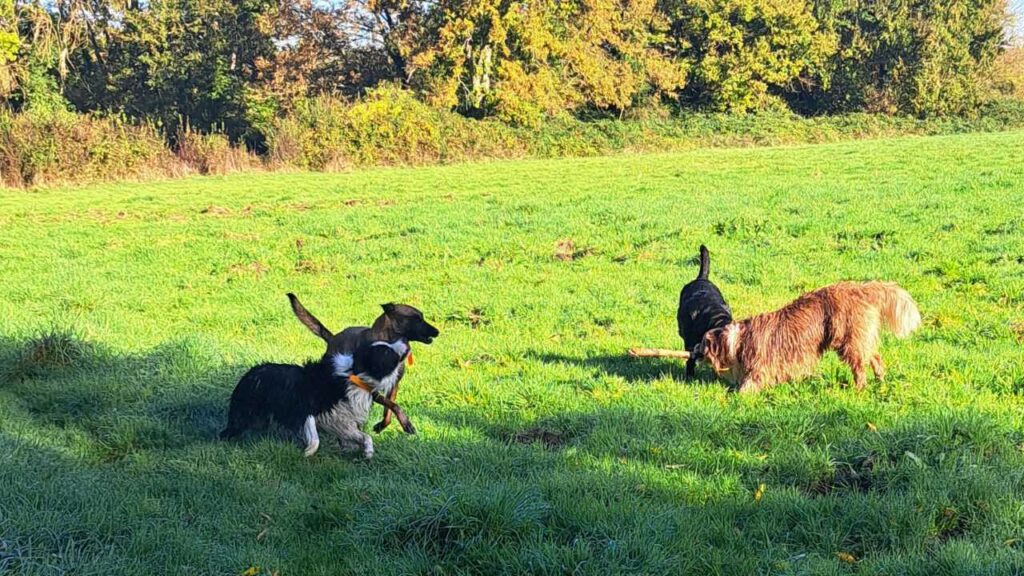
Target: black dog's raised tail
{"type": "Point", "coordinates": [705, 263]}
{"type": "Point", "coordinates": [308, 320]}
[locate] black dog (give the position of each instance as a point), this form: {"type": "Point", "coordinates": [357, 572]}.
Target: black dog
{"type": "Point", "coordinates": [399, 321]}
{"type": "Point", "coordinates": [294, 396]}
{"type": "Point", "coordinates": [701, 309]}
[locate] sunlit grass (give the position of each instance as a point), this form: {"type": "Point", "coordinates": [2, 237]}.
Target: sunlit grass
{"type": "Point", "coordinates": [128, 312]}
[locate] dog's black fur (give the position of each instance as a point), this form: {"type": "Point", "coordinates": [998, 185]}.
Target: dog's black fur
{"type": "Point", "coordinates": [397, 321]}
{"type": "Point", "coordinates": [701, 308]}
{"type": "Point", "coordinates": [288, 394]}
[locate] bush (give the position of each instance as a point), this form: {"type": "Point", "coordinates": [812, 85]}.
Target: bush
{"type": "Point", "coordinates": [387, 127]}
{"type": "Point", "coordinates": [391, 127]}
{"type": "Point", "coordinates": [214, 153]}
{"type": "Point", "coordinates": [55, 146]}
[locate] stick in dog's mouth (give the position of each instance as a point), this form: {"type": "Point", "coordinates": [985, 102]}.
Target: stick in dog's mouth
{"type": "Point", "coordinates": [658, 353]}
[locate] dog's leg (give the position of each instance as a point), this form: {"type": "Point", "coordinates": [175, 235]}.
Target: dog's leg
{"type": "Point", "coordinates": [691, 364]}
{"type": "Point", "coordinates": [399, 413]}
{"type": "Point", "coordinates": [864, 348]}
{"type": "Point", "coordinates": [386, 421]}
{"type": "Point", "coordinates": [750, 386]}
{"type": "Point", "coordinates": [352, 438]}
{"type": "Point", "coordinates": [860, 377]}
{"type": "Point", "coordinates": [367, 446]}
{"type": "Point", "coordinates": [852, 358]}
{"type": "Point", "coordinates": [878, 367]}
{"type": "Point", "coordinates": [310, 436]}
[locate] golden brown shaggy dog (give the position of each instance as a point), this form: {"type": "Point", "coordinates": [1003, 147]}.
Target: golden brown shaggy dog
{"type": "Point", "coordinates": [785, 344]}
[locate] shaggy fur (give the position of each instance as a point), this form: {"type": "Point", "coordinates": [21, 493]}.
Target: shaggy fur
{"type": "Point", "coordinates": [786, 344]}
{"type": "Point", "coordinates": [397, 321]}
{"type": "Point", "coordinates": [701, 309]}
{"type": "Point", "coordinates": [296, 397]}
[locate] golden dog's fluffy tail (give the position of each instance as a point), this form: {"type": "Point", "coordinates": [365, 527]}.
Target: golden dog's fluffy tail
{"type": "Point", "coordinates": [899, 311]}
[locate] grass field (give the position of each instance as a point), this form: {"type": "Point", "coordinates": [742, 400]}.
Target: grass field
{"type": "Point", "coordinates": [128, 312]}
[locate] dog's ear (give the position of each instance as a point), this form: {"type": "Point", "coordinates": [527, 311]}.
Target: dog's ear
{"type": "Point", "coordinates": [308, 320]}
{"type": "Point", "coordinates": [388, 308]}
{"type": "Point", "coordinates": [711, 347]}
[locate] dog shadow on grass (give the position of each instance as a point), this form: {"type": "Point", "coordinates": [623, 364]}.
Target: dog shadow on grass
{"type": "Point", "coordinates": [171, 396]}
{"type": "Point", "coordinates": [626, 367]}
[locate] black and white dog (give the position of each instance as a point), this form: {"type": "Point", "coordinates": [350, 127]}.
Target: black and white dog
{"type": "Point", "coordinates": [339, 389]}
{"type": "Point", "coordinates": [701, 309]}
{"type": "Point", "coordinates": [399, 321]}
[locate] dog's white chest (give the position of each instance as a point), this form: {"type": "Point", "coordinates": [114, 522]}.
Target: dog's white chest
{"type": "Point", "coordinates": [355, 409]}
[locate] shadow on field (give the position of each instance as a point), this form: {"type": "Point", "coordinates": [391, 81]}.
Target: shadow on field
{"type": "Point", "coordinates": [617, 489]}
{"type": "Point", "coordinates": [626, 367]}
{"type": "Point", "coordinates": [172, 396]}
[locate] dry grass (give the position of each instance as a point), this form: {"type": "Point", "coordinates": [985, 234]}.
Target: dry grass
{"type": "Point", "coordinates": [215, 154]}
{"type": "Point", "coordinates": [65, 148]}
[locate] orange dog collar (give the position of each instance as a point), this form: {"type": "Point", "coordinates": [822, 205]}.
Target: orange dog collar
{"type": "Point", "coordinates": [358, 383]}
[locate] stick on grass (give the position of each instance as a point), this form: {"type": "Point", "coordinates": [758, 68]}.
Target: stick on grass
{"type": "Point", "coordinates": [658, 353]}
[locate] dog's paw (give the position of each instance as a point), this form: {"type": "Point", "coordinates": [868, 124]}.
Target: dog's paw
{"type": "Point", "coordinates": [379, 426]}
{"type": "Point", "coordinates": [311, 449]}
{"type": "Point", "coordinates": [408, 428]}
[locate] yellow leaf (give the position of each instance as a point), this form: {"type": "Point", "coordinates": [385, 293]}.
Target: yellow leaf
{"type": "Point", "coordinates": [759, 493]}
{"type": "Point", "coordinates": [872, 427]}
{"type": "Point", "coordinates": [846, 557]}
{"type": "Point", "coordinates": [251, 571]}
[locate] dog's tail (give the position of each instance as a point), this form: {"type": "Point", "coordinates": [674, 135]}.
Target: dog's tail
{"type": "Point", "coordinates": [308, 320]}
{"type": "Point", "coordinates": [705, 263]}
{"type": "Point", "coordinates": [899, 311]}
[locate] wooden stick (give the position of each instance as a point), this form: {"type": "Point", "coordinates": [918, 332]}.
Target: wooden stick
{"type": "Point", "coordinates": [402, 418]}
{"type": "Point", "coordinates": [658, 353]}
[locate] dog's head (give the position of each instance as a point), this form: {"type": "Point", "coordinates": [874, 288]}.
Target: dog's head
{"type": "Point", "coordinates": [720, 348]}
{"type": "Point", "coordinates": [407, 322]}
{"type": "Point", "coordinates": [376, 361]}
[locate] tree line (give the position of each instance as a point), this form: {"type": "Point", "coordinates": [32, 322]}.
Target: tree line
{"type": "Point", "coordinates": [235, 65]}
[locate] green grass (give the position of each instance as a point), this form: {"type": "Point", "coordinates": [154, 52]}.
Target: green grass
{"type": "Point", "coordinates": [128, 312]}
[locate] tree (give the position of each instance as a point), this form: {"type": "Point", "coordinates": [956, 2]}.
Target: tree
{"type": "Point", "coordinates": [180, 62]}
{"type": "Point", "coordinates": [921, 57]}
{"type": "Point", "coordinates": [747, 53]}
{"type": "Point", "coordinates": [522, 60]}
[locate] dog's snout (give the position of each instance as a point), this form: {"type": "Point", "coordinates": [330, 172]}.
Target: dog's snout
{"type": "Point", "coordinates": [427, 333]}
{"type": "Point", "coordinates": [698, 351]}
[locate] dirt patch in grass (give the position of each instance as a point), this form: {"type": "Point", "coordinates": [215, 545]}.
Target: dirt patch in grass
{"type": "Point", "coordinates": [856, 476]}
{"type": "Point", "coordinates": [255, 268]}
{"type": "Point", "coordinates": [567, 251]}
{"type": "Point", "coordinates": [551, 439]}
{"type": "Point", "coordinates": [1017, 327]}
{"type": "Point", "coordinates": [474, 318]}
{"type": "Point", "coordinates": [950, 523]}
{"type": "Point", "coordinates": [214, 210]}
{"type": "Point", "coordinates": [368, 202]}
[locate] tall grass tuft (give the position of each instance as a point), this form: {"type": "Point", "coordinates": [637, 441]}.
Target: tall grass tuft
{"type": "Point", "coordinates": [53, 350]}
